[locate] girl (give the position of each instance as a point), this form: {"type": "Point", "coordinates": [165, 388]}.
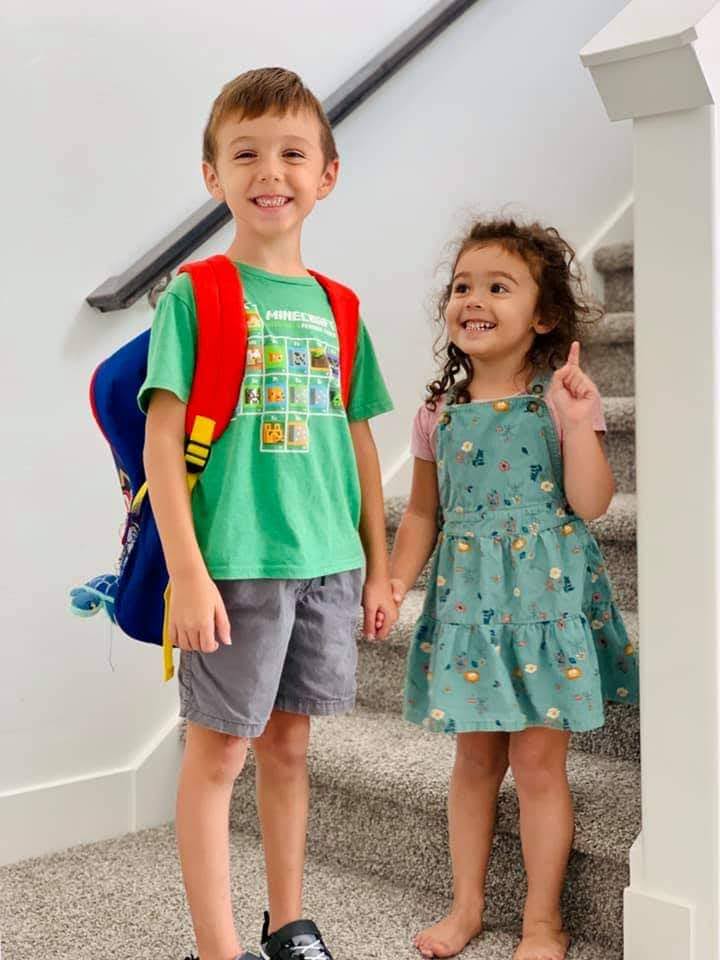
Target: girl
{"type": "Point", "coordinates": [519, 642]}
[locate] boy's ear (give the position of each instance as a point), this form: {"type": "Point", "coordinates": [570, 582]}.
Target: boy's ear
{"type": "Point", "coordinates": [212, 182]}
{"type": "Point", "coordinates": [329, 179]}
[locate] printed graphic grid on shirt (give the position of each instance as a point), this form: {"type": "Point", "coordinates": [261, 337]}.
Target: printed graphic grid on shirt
{"type": "Point", "coordinates": [287, 381]}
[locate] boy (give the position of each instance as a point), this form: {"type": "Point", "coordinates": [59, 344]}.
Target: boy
{"type": "Point", "coordinates": [265, 559]}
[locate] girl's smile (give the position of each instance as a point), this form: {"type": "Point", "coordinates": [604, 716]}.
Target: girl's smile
{"type": "Point", "coordinates": [478, 326]}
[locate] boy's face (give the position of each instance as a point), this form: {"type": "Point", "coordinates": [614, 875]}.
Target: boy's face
{"type": "Point", "coordinates": [271, 171]}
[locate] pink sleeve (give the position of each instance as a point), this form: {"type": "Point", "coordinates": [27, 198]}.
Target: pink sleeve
{"type": "Point", "coordinates": [598, 416]}
{"type": "Point", "coordinates": [422, 444]}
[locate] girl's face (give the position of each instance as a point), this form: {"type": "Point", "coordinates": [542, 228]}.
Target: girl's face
{"type": "Point", "coordinates": [491, 314]}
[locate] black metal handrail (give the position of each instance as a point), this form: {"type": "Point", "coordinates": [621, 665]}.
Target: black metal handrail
{"type": "Point", "coordinates": [121, 291]}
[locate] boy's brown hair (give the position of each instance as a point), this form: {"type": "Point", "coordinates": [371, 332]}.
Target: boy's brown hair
{"type": "Point", "coordinates": [257, 92]}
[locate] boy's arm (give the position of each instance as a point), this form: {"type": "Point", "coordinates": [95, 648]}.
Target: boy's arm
{"type": "Point", "coordinates": [380, 609]}
{"type": "Point", "coordinates": [196, 607]}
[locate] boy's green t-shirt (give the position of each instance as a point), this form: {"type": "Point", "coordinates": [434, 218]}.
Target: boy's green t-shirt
{"type": "Point", "coordinates": [280, 495]}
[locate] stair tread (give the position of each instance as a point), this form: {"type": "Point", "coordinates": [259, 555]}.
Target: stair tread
{"type": "Point", "coordinates": [410, 767]}
{"type": "Point", "coordinates": [614, 257]}
{"type": "Point", "coordinates": [619, 414]}
{"type": "Point", "coordinates": [136, 897]}
{"type": "Point", "coordinates": [620, 521]}
{"type": "Point", "coordinates": [613, 328]}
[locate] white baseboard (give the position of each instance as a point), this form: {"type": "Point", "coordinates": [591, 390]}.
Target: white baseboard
{"type": "Point", "coordinates": [54, 816]}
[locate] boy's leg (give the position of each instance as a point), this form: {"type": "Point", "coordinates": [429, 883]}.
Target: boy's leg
{"type": "Point", "coordinates": [481, 761]}
{"type": "Point", "coordinates": [227, 697]}
{"type": "Point", "coordinates": [318, 679]}
{"type": "Point", "coordinates": [538, 757]}
{"type": "Point", "coordinates": [210, 765]}
{"type": "Point", "coordinates": [283, 799]}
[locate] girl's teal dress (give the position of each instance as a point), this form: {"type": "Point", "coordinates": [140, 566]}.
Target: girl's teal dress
{"type": "Point", "coordinates": [519, 626]}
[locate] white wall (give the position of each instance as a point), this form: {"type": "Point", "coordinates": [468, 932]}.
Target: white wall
{"type": "Point", "coordinates": [103, 110]}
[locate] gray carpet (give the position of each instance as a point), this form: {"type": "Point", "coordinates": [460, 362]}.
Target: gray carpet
{"type": "Point", "coordinates": [124, 899]}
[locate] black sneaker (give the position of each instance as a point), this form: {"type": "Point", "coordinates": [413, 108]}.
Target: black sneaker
{"type": "Point", "coordinates": [299, 940]}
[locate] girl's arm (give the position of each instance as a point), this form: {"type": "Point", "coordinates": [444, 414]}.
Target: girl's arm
{"type": "Point", "coordinates": [196, 607]}
{"type": "Point", "coordinates": [418, 530]}
{"type": "Point", "coordinates": [380, 609]}
{"type": "Point", "coordinates": [587, 476]}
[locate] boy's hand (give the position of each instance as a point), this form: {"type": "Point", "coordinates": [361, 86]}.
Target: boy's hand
{"type": "Point", "coordinates": [197, 615]}
{"type": "Point", "coordinates": [381, 612]}
{"type": "Point", "coordinates": [574, 394]}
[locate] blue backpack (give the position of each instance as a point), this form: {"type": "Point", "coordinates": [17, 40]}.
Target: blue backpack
{"type": "Point", "coordinates": [137, 597]}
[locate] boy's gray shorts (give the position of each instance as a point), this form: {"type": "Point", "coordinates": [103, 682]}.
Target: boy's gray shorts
{"type": "Point", "coordinates": [293, 648]}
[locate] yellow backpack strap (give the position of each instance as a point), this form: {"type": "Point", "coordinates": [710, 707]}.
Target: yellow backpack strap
{"type": "Point", "coordinates": [168, 665]}
{"type": "Point", "coordinates": [198, 445]}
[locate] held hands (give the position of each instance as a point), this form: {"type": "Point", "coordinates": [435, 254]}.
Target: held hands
{"type": "Point", "coordinates": [381, 610]}
{"type": "Point", "coordinates": [574, 394]}
{"type": "Point", "coordinates": [398, 590]}
{"type": "Point", "coordinates": [197, 615]}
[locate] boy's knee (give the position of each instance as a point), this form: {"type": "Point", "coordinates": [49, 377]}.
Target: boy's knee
{"type": "Point", "coordinates": [219, 756]}
{"type": "Point", "coordinates": [284, 741]}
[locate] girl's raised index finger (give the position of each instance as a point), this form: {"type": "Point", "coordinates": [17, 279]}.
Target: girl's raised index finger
{"type": "Point", "coordinates": [574, 355]}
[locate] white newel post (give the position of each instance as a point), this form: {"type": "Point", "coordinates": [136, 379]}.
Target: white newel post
{"type": "Point", "coordinates": [657, 67]}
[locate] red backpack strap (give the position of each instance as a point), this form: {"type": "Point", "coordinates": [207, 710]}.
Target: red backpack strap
{"type": "Point", "coordinates": [346, 310]}
{"type": "Point", "coordinates": [220, 355]}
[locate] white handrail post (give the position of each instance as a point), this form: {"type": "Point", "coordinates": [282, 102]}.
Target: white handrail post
{"type": "Point", "coordinates": [649, 66]}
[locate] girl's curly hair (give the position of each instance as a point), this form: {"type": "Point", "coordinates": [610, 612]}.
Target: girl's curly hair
{"type": "Point", "coordinates": [562, 301]}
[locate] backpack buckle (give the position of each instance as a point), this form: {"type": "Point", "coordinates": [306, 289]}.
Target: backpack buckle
{"type": "Point", "coordinates": [199, 444]}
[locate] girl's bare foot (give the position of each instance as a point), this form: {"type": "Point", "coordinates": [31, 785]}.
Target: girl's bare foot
{"type": "Point", "coordinates": [542, 941]}
{"type": "Point", "coordinates": [451, 935]}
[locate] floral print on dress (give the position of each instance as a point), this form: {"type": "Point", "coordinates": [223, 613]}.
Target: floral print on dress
{"type": "Point", "coordinates": [519, 626]}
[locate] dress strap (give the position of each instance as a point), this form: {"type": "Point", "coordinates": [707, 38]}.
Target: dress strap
{"type": "Point", "coordinates": [539, 384]}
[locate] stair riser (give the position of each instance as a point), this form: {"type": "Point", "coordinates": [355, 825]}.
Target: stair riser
{"type": "Point", "coordinates": [619, 292]}
{"type": "Point", "coordinates": [621, 453]}
{"type": "Point", "coordinates": [621, 559]}
{"type": "Point", "coordinates": [381, 674]}
{"type": "Point", "coordinates": [612, 368]}
{"type": "Point", "coordinates": [410, 848]}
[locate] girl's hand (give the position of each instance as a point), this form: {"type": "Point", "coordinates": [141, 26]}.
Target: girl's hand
{"type": "Point", "coordinates": [399, 590]}
{"type": "Point", "coordinates": [381, 612]}
{"type": "Point", "coordinates": [197, 615]}
{"type": "Point", "coordinates": [574, 394]}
